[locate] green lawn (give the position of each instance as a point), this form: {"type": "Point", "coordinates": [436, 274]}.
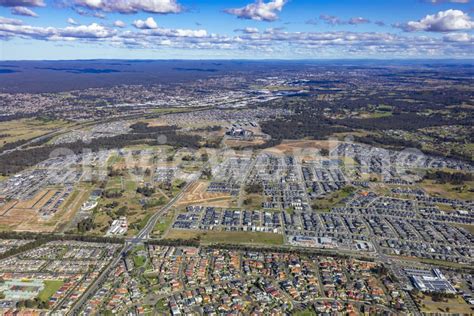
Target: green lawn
{"type": "Point", "coordinates": [114, 183]}
{"type": "Point", "coordinates": [155, 202]}
{"type": "Point", "coordinates": [455, 305]}
{"type": "Point", "coordinates": [26, 129]}
{"type": "Point", "coordinates": [161, 306]}
{"type": "Point", "coordinates": [306, 312]}
{"type": "Point", "coordinates": [461, 192]}
{"type": "Point", "coordinates": [50, 287]}
{"type": "Point", "coordinates": [177, 186]}
{"type": "Point", "coordinates": [130, 186]}
{"type": "Point", "coordinates": [326, 203]}
{"type": "Point", "coordinates": [223, 237]}
{"type": "Point", "coordinates": [138, 261]}
{"type": "Point", "coordinates": [435, 262]}
{"type": "Point", "coordinates": [114, 159]}
{"type": "Point", "coordinates": [379, 114]}
{"type": "Point", "coordinates": [163, 224]}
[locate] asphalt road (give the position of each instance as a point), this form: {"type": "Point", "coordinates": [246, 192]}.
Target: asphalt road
{"type": "Point", "coordinates": [142, 235]}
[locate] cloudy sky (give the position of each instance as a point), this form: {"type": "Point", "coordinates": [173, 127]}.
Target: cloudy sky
{"type": "Point", "coordinates": [267, 29]}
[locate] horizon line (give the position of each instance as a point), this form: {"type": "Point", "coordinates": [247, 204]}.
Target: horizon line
{"type": "Point", "coordinates": [471, 59]}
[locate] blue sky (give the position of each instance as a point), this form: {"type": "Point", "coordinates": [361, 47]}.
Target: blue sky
{"type": "Point", "coordinates": [267, 29]}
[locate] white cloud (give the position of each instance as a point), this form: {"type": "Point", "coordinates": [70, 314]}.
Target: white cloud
{"type": "Point", "coordinates": [248, 30]}
{"type": "Point", "coordinates": [24, 11]}
{"type": "Point", "coordinates": [90, 3]}
{"type": "Point", "coordinates": [149, 23]}
{"type": "Point", "coordinates": [190, 33]}
{"type": "Point", "coordinates": [334, 20]}
{"type": "Point", "coordinates": [443, 21]}
{"type": "Point", "coordinates": [132, 6]}
{"type": "Point", "coordinates": [358, 20]}
{"type": "Point", "coordinates": [93, 30]}
{"type": "Point", "coordinates": [310, 44]}
{"type": "Point", "coordinates": [176, 33]}
{"type": "Point", "coordinates": [259, 10]}
{"type": "Point", "coordinates": [119, 23]}
{"type": "Point", "coordinates": [85, 32]}
{"type": "Point", "coordinates": [459, 38]}
{"type": "Point", "coordinates": [22, 3]}
{"type": "Point", "coordinates": [72, 21]}
{"type": "Point", "coordinates": [9, 21]}
{"type": "Point", "coordinates": [98, 15]}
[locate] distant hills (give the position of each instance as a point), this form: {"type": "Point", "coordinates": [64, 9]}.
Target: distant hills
{"type": "Point", "coordinates": [59, 76]}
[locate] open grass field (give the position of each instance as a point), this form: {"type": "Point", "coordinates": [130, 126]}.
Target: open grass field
{"type": "Point", "coordinates": [163, 224]}
{"type": "Point", "coordinates": [161, 307]}
{"type": "Point", "coordinates": [218, 237]}
{"type": "Point", "coordinates": [115, 183]}
{"type": "Point", "coordinates": [306, 312]}
{"type": "Point", "coordinates": [132, 159]}
{"type": "Point", "coordinates": [130, 185]}
{"type": "Point", "coordinates": [452, 305]}
{"type": "Point", "coordinates": [172, 110]}
{"type": "Point", "coordinates": [282, 88]}
{"type": "Point", "coordinates": [298, 147]}
{"type": "Point", "coordinates": [136, 207]}
{"type": "Point", "coordinates": [138, 261]}
{"type": "Point", "coordinates": [134, 213]}
{"type": "Point", "coordinates": [25, 129]}
{"type": "Point", "coordinates": [115, 160]}
{"type": "Point", "coordinates": [332, 200]}
{"type": "Point", "coordinates": [434, 262]}
{"type": "Point", "coordinates": [50, 287]}
{"type": "Point", "coordinates": [451, 191]}
{"type": "Point", "coordinates": [375, 114]}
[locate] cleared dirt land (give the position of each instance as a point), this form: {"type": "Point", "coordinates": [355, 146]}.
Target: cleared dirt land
{"type": "Point", "coordinates": [25, 215]}
{"type": "Point", "coordinates": [298, 147]}
{"type": "Point", "coordinates": [196, 194]}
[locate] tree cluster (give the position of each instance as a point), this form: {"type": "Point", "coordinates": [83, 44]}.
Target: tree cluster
{"type": "Point", "coordinates": [455, 178]}
{"type": "Point", "coordinates": [254, 188]}
{"type": "Point", "coordinates": [85, 225]}
{"type": "Point", "coordinates": [18, 160]}
{"type": "Point", "coordinates": [146, 191]}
